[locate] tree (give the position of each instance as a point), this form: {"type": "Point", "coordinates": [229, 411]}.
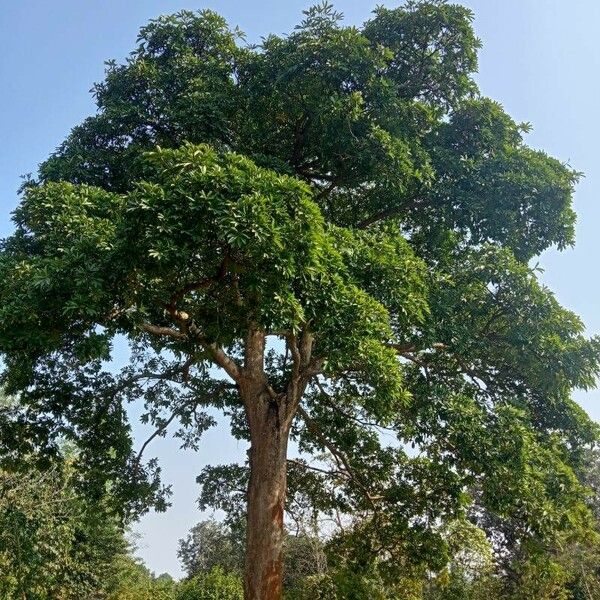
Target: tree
{"type": "Point", "coordinates": [53, 544]}
{"type": "Point", "coordinates": [342, 226]}
{"type": "Point", "coordinates": [214, 583]}
{"type": "Point", "coordinates": [131, 580]}
{"type": "Point", "coordinates": [211, 544]}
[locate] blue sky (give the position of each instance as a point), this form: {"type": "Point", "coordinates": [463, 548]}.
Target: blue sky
{"type": "Point", "coordinates": [540, 59]}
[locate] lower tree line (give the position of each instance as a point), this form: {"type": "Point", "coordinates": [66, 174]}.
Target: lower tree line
{"type": "Point", "coordinates": [58, 544]}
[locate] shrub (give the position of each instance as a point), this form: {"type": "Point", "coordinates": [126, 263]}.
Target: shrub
{"type": "Point", "coordinates": [213, 585]}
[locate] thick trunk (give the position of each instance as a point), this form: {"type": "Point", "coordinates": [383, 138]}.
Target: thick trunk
{"type": "Point", "coordinates": [269, 431]}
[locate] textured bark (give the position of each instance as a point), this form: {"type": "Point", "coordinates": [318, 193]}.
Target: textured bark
{"type": "Point", "coordinates": [269, 431]}
{"type": "Point", "coordinates": [269, 416]}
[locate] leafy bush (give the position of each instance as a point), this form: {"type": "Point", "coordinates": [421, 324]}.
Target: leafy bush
{"type": "Point", "coordinates": [213, 585]}
{"type": "Point", "coordinates": [131, 580]}
{"type": "Point", "coordinates": [53, 544]}
{"type": "Point", "coordinates": [211, 544]}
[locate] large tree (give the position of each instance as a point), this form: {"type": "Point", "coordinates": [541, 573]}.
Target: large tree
{"type": "Point", "coordinates": [327, 236]}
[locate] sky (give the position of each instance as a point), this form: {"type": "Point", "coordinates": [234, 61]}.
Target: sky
{"type": "Point", "coordinates": [540, 59]}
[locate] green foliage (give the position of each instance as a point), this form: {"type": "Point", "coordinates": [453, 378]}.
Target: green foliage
{"type": "Point", "coordinates": [197, 213]}
{"type": "Point", "coordinates": [53, 544]}
{"type": "Point", "coordinates": [498, 186]}
{"type": "Point", "coordinates": [131, 580]}
{"type": "Point", "coordinates": [212, 585]}
{"type": "Point", "coordinates": [305, 560]}
{"type": "Point", "coordinates": [214, 545]}
{"type": "Point", "coordinates": [211, 544]}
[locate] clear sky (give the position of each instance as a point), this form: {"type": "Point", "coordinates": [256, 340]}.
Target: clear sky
{"type": "Point", "coordinates": [540, 59]}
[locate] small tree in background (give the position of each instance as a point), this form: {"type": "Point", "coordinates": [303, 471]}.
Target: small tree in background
{"type": "Point", "coordinates": [211, 544]}
{"type": "Point", "coordinates": [131, 580]}
{"type": "Point", "coordinates": [214, 584]}
{"type": "Point", "coordinates": [341, 225]}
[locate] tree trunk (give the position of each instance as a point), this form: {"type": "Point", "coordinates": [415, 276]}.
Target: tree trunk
{"type": "Point", "coordinates": [269, 431]}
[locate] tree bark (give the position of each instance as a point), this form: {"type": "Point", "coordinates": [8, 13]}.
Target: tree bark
{"type": "Point", "coordinates": [269, 432]}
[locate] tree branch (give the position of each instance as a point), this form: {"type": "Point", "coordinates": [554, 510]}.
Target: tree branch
{"type": "Point", "coordinates": [332, 404]}
{"type": "Point", "coordinates": [254, 351]}
{"type": "Point", "coordinates": [164, 331]}
{"type": "Point", "coordinates": [384, 214]}
{"type": "Point", "coordinates": [224, 361]}
{"type": "Point", "coordinates": [340, 458]}
{"type": "Point", "coordinates": [200, 284]}
{"type": "Point", "coordinates": [215, 352]}
{"type": "Point", "coordinates": [305, 465]}
{"type": "Point", "coordinates": [156, 433]}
